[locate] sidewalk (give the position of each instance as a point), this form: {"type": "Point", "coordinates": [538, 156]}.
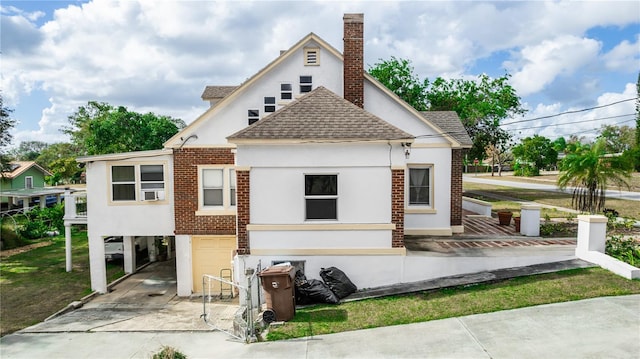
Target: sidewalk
{"type": "Point", "coordinates": [607, 327]}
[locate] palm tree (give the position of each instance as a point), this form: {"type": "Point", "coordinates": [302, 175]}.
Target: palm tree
{"type": "Point", "coordinates": [588, 169]}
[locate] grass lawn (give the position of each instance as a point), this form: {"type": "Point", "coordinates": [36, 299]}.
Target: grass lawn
{"type": "Point", "coordinates": [35, 284]}
{"type": "Point", "coordinates": [445, 303]}
{"type": "Point", "coordinates": [627, 209]}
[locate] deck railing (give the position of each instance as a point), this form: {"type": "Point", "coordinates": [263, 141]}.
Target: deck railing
{"type": "Point", "coordinates": [75, 205]}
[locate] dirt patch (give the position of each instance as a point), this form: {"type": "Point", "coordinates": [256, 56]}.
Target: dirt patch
{"type": "Point", "coordinates": [10, 252]}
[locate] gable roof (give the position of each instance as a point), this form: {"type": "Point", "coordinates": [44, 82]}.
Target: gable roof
{"type": "Point", "coordinates": [450, 124]}
{"type": "Point", "coordinates": [217, 92]}
{"type": "Point", "coordinates": [321, 115]}
{"type": "Point", "coordinates": [175, 140]}
{"type": "Point", "coordinates": [19, 167]}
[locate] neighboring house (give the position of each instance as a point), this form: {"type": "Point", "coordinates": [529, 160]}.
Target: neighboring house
{"type": "Point", "coordinates": [310, 160]}
{"type": "Point", "coordinates": [22, 177]}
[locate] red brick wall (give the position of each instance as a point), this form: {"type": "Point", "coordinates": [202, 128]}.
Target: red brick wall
{"type": "Point", "coordinates": [353, 54]}
{"type": "Point", "coordinates": [397, 207]}
{"type": "Point", "coordinates": [456, 187]}
{"type": "Point", "coordinates": [242, 194]}
{"type": "Point", "coordinates": [185, 169]}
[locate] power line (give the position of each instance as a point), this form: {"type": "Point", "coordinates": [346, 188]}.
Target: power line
{"type": "Point", "coordinates": [570, 123]}
{"type": "Point", "coordinates": [570, 112]}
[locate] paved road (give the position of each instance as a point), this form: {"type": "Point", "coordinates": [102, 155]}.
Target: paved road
{"type": "Point", "coordinates": [631, 196]}
{"type": "Point", "coordinates": [607, 327]}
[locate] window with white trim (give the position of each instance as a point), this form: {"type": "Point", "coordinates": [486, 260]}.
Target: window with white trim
{"type": "Point", "coordinates": [218, 188]}
{"type": "Point", "coordinates": [419, 184]}
{"type": "Point", "coordinates": [269, 104]}
{"type": "Point", "coordinates": [321, 196]}
{"type": "Point", "coordinates": [306, 84]}
{"type": "Point", "coordinates": [123, 183]}
{"type": "Point", "coordinates": [152, 182]}
{"type": "Point", "coordinates": [145, 179]}
{"type": "Point", "coordinates": [286, 91]}
{"type": "Point", "coordinates": [253, 115]}
{"type": "Point", "coordinates": [311, 56]}
{"type": "Point", "coordinates": [28, 182]}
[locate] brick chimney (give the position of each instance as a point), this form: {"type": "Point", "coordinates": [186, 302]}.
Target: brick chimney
{"type": "Point", "coordinates": [353, 54]}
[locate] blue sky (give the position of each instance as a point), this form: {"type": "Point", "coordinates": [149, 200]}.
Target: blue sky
{"type": "Point", "coordinates": [159, 55]}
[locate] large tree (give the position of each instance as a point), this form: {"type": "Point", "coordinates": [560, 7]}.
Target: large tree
{"type": "Point", "coordinates": [588, 169]}
{"type": "Point", "coordinates": [481, 104]}
{"type": "Point", "coordinates": [617, 139]}
{"type": "Point", "coordinates": [399, 77]}
{"type": "Point", "coordinates": [99, 128]}
{"type": "Point", "coordinates": [6, 124]}
{"type": "Point", "coordinates": [60, 160]}
{"type": "Point", "coordinates": [29, 150]}
{"type": "Point", "coordinates": [533, 154]}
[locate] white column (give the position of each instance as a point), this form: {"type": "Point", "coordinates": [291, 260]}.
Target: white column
{"type": "Point", "coordinates": [67, 247]}
{"type": "Point", "coordinates": [184, 271]}
{"type": "Point", "coordinates": [151, 247]}
{"type": "Point", "coordinates": [43, 201]}
{"type": "Point", "coordinates": [129, 254]}
{"type": "Point", "coordinates": [25, 204]}
{"type": "Point", "coordinates": [530, 220]}
{"type": "Point", "coordinates": [97, 264]}
{"type": "Point", "coordinates": [592, 233]}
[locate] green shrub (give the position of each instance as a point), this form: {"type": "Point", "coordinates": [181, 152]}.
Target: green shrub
{"type": "Point", "coordinates": [624, 249]}
{"type": "Point", "coordinates": [8, 235]}
{"type": "Point", "coordinates": [39, 221]}
{"type": "Point", "coordinates": [169, 353]}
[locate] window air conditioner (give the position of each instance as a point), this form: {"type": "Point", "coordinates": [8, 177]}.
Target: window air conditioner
{"type": "Point", "coordinates": [154, 195]}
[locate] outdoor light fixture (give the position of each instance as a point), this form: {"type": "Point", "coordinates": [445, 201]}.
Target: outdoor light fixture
{"type": "Point", "coordinates": [407, 149]}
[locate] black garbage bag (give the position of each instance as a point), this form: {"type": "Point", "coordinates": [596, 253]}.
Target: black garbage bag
{"type": "Point", "coordinates": [338, 282]}
{"type": "Point", "coordinates": [315, 291]}
{"type": "Point", "coordinates": [301, 295]}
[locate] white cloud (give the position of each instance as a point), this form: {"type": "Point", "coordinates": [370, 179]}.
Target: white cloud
{"type": "Point", "coordinates": [624, 57]}
{"type": "Point", "coordinates": [158, 55]}
{"type": "Point", "coordinates": [540, 64]}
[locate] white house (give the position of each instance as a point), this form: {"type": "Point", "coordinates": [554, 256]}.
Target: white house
{"type": "Point", "coordinates": [309, 160]}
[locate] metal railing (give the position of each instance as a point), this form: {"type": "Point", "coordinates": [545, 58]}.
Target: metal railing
{"type": "Point", "coordinates": [244, 323]}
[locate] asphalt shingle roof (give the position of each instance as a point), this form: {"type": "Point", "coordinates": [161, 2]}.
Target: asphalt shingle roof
{"type": "Point", "coordinates": [449, 123]}
{"type": "Point", "coordinates": [211, 92]}
{"type": "Point", "coordinates": [321, 115]}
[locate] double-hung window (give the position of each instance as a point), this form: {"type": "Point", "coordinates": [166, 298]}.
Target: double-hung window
{"type": "Point", "coordinates": [420, 186]}
{"type": "Point", "coordinates": [321, 197]}
{"type": "Point", "coordinates": [253, 116]}
{"type": "Point", "coordinates": [152, 182]}
{"type": "Point", "coordinates": [129, 180]}
{"type": "Point", "coordinates": [28, 182]}
{"type": "Point", "coordinates": [218, 188]}
{"type": "Point", "coordinates": [286, 91]}
{"type": "Point", "coordinates": [306, 84]}
{"type": "Point", "coordinates": [123, 183]}
{"type": "Point", "coordinates": [269, 104]}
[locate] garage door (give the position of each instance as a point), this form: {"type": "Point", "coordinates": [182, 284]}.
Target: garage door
{"type": "Point", "coordinates": [210, 254]}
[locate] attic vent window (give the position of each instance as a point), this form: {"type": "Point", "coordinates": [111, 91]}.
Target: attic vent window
{"type": "Point", "coordinates": [254, 116]}
{"type": "Point", "coordinates": [286, 92]}
{"type": "Point", "coordinates": [311, 57]}
{"type": "Point", "coordinates": [269, 104]}
{"type": "Point", "coordinates": [306, 84]}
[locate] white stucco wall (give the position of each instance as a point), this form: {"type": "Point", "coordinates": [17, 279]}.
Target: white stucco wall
{"type": "Point", "coordinates": [221, 122]}
{"type": "Point", "coordinates": [277, 194]}
{"type": "Point", "coordinates": [374, 271]}
{"type": "Point", "coordinates": [128, 219]}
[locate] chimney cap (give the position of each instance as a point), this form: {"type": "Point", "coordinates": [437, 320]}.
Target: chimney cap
{"type": "Point", "coordinates": [353, 18]}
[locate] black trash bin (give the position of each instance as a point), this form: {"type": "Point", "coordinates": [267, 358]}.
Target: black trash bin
{"type": "Point", "coordinates": [277, 282]}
